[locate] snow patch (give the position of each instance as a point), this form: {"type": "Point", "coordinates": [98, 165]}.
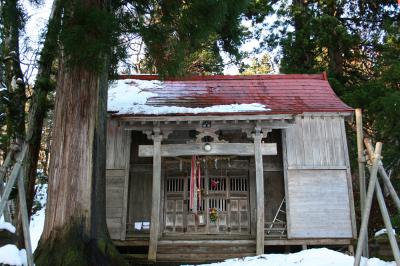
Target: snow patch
{"type": "Point", "coordinates": [6, 226]}
{"type": "Point", "coordinates": [310, 257]}
{"type": "Point", "coordinates": [383, 232]}
{"type": "Point", "coordinates": [37, 220]}
{"type": "Point", "coordinates": [11, 255]}
{"type": "Point", "coordinates": [130, 97]}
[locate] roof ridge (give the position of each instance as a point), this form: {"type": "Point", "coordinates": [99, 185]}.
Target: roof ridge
{"type": "Point", "coordinates": [321, 76]}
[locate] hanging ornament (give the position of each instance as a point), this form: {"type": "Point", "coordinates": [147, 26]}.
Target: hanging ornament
{"type": "Point", "coordinates": [216, 163]}
{"type": "Point", "coordinates": [213, 215]}
{"type": "Point", "coordinates": [214, 183]}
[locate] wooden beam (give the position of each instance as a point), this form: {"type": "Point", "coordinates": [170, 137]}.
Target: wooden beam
{"type": "Point", "coordinates": [259, 192]}
{"type": "Point", "coordinates": [204, 117]}
{"type": "Point", "coordinates": [25, 220]}
{"type": "Point", "coordinates": [242, 149]}
{"type": "Point", "coordinates": [156, 196]}
{"type": "Point", "coordinates": [216, 125]}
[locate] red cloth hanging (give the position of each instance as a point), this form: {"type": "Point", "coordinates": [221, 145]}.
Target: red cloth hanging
{"type": "Point", "coordinates": [199, 184]}
{"type": "Point", "coordinates": [192, 182]}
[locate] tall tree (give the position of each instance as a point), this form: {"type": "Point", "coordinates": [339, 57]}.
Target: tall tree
{"type": "Point", "coordinates": [40, 103]}
{"type": "Point", "coordinates": [13, 20]}
{"type": "Point", "coordinates": [75, 231]}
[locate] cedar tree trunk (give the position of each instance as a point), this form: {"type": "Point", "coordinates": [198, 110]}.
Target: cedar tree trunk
{"type": "Point", "coordinates": [75, 231]}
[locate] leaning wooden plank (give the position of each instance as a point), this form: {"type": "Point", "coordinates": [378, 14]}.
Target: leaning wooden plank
{"type": "Point", "coordinates": [368, 203]}
{"type": "Point", "coordinates": [11, 181]}
{"type": "Point", "coordinates": [25, 220]}
{"type": "Point", "coordinates": [173, 150]}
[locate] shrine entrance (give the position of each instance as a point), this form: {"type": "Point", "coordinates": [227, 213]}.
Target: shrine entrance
{"type": "Point", "coordinates": [220, 200]}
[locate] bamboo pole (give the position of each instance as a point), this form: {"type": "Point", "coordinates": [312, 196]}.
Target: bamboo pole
{"type": "Point", "coordinates": [25, 220]}
{"type": "Point", "coordinates": [361, 170]}
{"type": "Point", "coordinates": [368, 203]}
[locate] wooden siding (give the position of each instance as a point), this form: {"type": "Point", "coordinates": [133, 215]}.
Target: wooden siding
{"type": "Point", "coordinates": [117, 178]}
{"type": "Point", "coordinates": [319, 202]}
{"type": "Point", "coordinates": [315, 142]}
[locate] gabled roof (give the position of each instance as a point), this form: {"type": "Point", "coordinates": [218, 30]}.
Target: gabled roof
{"type": "Point", "coordinates": [257, 94]}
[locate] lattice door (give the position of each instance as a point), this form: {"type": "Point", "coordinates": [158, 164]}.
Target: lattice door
{"type": "Point", "coordinates": [226, 191]}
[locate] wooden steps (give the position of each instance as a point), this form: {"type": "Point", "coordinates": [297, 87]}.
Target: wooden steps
{"type": "Point", "coordinates": [204, 251]}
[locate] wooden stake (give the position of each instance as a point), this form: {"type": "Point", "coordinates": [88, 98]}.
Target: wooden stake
{"type": "Point", "coordinates": [25, 220]}
{"type": "Point", "coordinates": [361, 170]}
{"type": "Point", "coordinates": [3, 170]}
{"type": "Point", "coordinates": [368, 203]}
{"type": "Point", "coordinates": [382, 205]}
{"type": "Point", "coordinates": [390, 187]}
{"type": "Point", "coordinates": [385, 177]}
{"type": "Point", "coordinates": [11, 181]}
{"type": "Point", "coordinates": [388, 224]}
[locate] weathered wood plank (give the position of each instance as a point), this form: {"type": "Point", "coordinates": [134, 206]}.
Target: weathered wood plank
{"type": "Point", "coordinates": [319, 204]}
{"type": "Point", "coordinates": [243, 149]}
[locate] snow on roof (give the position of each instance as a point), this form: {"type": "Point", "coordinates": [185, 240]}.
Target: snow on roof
{"type": "Point", "coordinates": [254, 94]}
{"type": "Point", "coordinates": [130, 96]}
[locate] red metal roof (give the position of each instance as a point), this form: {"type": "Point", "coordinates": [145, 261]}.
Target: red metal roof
{"type": "Point", "coordinates": [283, 94]}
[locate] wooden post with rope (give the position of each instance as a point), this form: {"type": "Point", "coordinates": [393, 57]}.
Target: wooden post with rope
{"type": "Point", "coordinates": [375, 166]}
{"type": "Point", "coordinates": [14, 176]}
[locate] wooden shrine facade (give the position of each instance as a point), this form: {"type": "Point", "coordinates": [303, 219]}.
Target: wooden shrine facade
{"type": "Point", "coordinates": [265, 180]}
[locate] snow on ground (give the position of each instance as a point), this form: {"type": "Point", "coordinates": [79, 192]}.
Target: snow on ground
{"type": "Point", "coordinates": [310, 257]}
{"type": "Point", "coordinates": [383, 232]}
{"type": "Point", "coordinates": [129, 96]}
{"type": "Point", "coordinates": [10, 255]}
{"type": "Point", "coordinates": [37, 220]}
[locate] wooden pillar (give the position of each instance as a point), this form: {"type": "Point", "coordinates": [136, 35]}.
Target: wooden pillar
{"type": "Point", "coordinates": [259, 191]}
{"type": "Point", "coordinates": [156, 196]}
{"type": "Point", "coordinates": [361, 171]}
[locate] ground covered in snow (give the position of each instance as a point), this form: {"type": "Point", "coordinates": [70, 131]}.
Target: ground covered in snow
{"type": "Point", "coordinates": [310, 257]}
